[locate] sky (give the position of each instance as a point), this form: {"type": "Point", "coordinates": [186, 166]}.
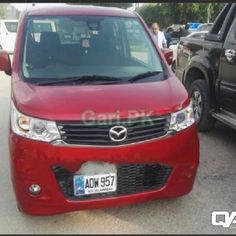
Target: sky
{"type": "Point", "coordinates": [22, 6]}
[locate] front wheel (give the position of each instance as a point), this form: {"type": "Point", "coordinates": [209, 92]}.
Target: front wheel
{"type": "Point", "coordinates": [200, 97]}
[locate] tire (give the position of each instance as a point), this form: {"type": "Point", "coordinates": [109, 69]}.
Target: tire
{"type": "Point", "coordinates": [200, 97]}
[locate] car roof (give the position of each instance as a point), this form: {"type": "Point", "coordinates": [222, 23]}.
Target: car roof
{"type": "Point", "coordinates": [197, 32]}
{"type": "Point", "coordinates": [68, 9]}
{"type": "Point", "coordinates": [206, 24]}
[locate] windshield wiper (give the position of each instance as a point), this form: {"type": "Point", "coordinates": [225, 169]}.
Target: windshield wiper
{"type": "Point", "coordinates": [86, 79]}
{"type": "Point", "coordinates": [144, 76]}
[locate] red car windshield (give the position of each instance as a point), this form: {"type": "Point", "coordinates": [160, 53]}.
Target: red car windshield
{"type": "Point", "coordinates": [69, 46]}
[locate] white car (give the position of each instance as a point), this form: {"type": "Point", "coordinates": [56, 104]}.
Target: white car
{"type": "Point", "coordinates": [8, 29]}
{"type": "Point", "coordinates": [174, 45]}
{"type": "Point", "coordinates": [205, 26]}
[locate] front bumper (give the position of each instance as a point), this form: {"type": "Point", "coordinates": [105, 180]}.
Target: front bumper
{"type": "Point", "coordinates": [32, 162]}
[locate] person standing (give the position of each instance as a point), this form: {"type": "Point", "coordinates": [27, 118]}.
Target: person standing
{"type": "Point", "coordinates": [158, 35]}
{"type": "Point", "coordinates": [168, 35]}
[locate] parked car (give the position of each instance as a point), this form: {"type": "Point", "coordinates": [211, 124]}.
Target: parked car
{"type": "Point", "coordinates": [100, 122]}
{"type": "Point", "coordinates": [198, 34]}
{"type": "Point", "coordinates": [207, 69]}
{"type": "Point", "coordinates": [8, 29]}
{"type": "Point", "coordinates": [204, 27]}
{"type": "Point", "coordinates": [176, 27]}
{"type": "Point", "coordinates": [193, 26]}
{"type": "Point", "coordinates": [175, 43]}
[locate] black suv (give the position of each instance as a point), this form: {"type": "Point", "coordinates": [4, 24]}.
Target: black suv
{"type": "Point", "coordinates": [207, 68]}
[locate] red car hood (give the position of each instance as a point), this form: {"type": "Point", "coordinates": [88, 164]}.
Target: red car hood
{"type": "Point", "coordinates": [86, 102]}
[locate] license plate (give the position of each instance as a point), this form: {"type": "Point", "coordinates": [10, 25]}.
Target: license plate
{"type": "Point", "coordinates": [92, 184]}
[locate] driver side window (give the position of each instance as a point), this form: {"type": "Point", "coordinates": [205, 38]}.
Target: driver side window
{"type": "Point", "coordinates": [231, 37]}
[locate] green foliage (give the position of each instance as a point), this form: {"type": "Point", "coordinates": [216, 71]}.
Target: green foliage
{"type": "Point", "coordinates": [148, 12]}
{"type": "Point", "coordinates": [179, 13]}
{"type": "Point", "coordinates": [1, 10]}
{"type": "Point", "coordinates": [215, 9]}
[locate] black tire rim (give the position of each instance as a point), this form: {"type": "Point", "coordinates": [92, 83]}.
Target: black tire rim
{"type": "Point", "coordinates": [197, 105]}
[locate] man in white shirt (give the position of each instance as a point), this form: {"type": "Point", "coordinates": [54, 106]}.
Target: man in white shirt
{"type": "Point", "coordinates": [158, 35]}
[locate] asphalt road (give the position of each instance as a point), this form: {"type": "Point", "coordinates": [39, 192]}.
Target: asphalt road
{"type": "Point", "coordinates": [214, 189]}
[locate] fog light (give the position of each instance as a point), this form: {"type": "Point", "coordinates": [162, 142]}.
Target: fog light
{"type": "Point", "coordinates": [34, 189]}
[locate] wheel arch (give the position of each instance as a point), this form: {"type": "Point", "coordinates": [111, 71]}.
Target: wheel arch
{"type": "Point", "coordinates": [196, 71]}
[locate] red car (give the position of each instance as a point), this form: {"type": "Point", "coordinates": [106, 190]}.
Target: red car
{"type": "Point", "coordinates": [97, 117]}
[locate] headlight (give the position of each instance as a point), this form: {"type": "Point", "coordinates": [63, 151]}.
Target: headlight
{"type": "Point", "coordinates": [33, 128]}
{"type": "Point", "coordinates": [182, 119]}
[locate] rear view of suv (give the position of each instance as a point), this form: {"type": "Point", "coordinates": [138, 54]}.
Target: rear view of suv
{"type": "Point", "coordinates": [97, 117]}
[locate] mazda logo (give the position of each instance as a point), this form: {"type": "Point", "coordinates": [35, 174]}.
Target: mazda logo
{"type": "Point", "coordinates": [118, 133]}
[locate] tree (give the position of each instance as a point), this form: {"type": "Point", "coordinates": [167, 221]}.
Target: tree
{"type": "Point", "coordinates": [2, 10]}
{"type": "Point", "coordinates": [4, 7]}
{"type": "Point", "coordinates": [148, 12]}
{"type": "Point", "coordinates": [215, 10]}
{"type": "Point", "coordinates": [179, 13]}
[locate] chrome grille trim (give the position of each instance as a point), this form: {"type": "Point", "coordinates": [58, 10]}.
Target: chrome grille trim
{"type": "Point", "coordinates": [139, 130]}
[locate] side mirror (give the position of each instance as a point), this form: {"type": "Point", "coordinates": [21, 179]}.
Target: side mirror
{"type": "Point", "coordinates": [230, 55]}
{"type": "Point", "coordinates": [168, 54]}
{"type": "Point", "coordinates": [5, 62]}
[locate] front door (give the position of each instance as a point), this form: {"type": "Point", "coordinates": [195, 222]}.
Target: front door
{"type": "Point", "coordinates": [227, 78]}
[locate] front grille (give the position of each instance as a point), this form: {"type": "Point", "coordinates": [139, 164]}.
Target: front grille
{"type": "Point", "coordinates": [131, 178]}
{"type": "Point", "coordinates": [97, 133]}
